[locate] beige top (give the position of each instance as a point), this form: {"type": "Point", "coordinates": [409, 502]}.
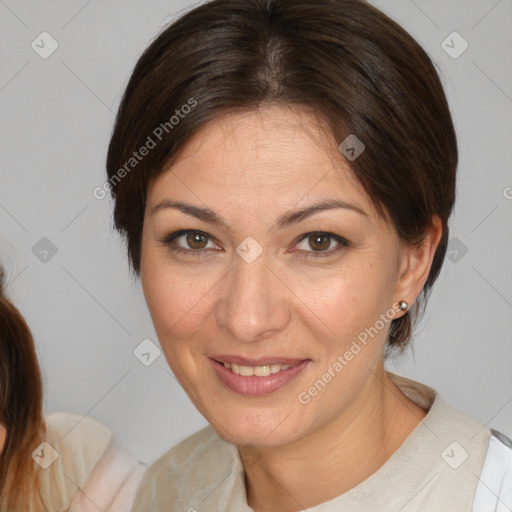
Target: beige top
{"type": "Point", "coordinates": [82, 468]}
{"type": "Point", "coordinates": [436, 469]}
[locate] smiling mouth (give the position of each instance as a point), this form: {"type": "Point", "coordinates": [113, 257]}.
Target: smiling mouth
{"type": "Point", "coordinates": [257, 371]}
{"type": "Point", "coordinates": [257, 377]}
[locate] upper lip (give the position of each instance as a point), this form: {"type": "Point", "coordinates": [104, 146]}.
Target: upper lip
{"type": "Point", "coordinates": [256, 361]}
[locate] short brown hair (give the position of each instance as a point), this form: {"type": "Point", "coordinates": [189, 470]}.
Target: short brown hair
{"type": "Point", "coordinates": [351, 64]}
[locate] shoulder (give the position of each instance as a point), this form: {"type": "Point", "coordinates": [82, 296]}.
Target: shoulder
{"type": "Point", "coordinates": [112, 483]}
{"type": "Point", "coordinates": [71, 447]}
{"type": "Point", "coordinates": [186, 469]}
{"type": "Point", "coordinates": [75, 427]}
{"type": "Point", "coordinates": [79, 442]}
{"type": "Point", "coordinates": [494, 491]}
{"type": "Point", "coordinates": [90, 471]}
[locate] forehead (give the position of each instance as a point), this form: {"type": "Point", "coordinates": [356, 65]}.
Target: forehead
{"type": "Point", "coordinates": [275, 152]}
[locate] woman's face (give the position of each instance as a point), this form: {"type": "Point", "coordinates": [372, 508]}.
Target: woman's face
{"type": "Point", "coordinates": [248, 283]}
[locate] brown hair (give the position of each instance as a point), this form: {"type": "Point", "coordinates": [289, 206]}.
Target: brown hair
{"type": "Point", "coordinates": [21, 399]}
{"type": "Point", "coordinates": [351, 64]}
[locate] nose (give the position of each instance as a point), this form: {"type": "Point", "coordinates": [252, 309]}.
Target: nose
{"type": "Point", "coordinates": [253, 304]}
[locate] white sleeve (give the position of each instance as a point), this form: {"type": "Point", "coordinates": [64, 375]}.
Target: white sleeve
{"type": "Point", "coordinates": [505, 495]}
{"type": "Point", "coordinates": [112, 483]}
{"type": "Point", "coordinates": [494, 490]}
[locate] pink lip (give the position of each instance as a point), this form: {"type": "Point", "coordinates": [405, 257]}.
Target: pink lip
{"type": "Point", "coordinates": [257, 386]}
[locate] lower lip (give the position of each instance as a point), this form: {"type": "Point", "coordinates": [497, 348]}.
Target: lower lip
{"type": "Point", "coordinates": [257, 386]}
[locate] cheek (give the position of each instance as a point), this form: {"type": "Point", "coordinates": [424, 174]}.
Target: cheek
{"type": "Point", "coordinates": [177, 299]}
{"type": "Point", "coordinates": [347, 300]}
{"type": "Point", "coordinates": [175, 307]}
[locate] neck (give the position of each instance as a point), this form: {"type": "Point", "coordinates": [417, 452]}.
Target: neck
{"type": "Point", "coordinates": [356, 444]}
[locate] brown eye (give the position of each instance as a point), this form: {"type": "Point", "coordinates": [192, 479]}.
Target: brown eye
{"type": "Point", "coordinates": [189, 242]}
{"type": "Point", "coordinates": [196, 240]}
{"type": "Point", "coordinates": [319, 242]}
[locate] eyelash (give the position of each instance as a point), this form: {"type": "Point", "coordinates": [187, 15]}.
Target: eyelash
{"type": "Point", "coordinates": [170, 238]}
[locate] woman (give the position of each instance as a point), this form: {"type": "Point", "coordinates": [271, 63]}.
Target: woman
{"type": "Point", "coordinates": [64, 462]}
{"type": "Point", "coordinates": [283, 172]}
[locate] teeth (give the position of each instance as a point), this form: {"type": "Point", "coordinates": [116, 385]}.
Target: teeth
{"type": "Point", "coordinates": [274, 368]}
{"type": "Point", "coordinates": [258, 371]}
{"type": "Point", "coordinates": [262, 371]}
{"type": "Point", "coordinates": [246, 371]}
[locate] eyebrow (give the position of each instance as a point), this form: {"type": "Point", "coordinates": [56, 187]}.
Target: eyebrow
{"type": "Point", "coordinates": [283, 221]}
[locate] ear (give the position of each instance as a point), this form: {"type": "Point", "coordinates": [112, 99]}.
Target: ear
{"type": "Point", "coordinates": [415, 264]}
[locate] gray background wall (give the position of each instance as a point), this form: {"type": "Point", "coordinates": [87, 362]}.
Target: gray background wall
{"type": "Point", "coordinates": [86, 312]}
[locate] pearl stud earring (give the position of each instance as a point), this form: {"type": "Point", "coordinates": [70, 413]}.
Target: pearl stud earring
{"type": "Point", "coordinates": [403, 305]}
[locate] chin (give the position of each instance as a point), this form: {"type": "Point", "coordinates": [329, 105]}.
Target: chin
{"type": "Point", "coordinates": [267, 429]}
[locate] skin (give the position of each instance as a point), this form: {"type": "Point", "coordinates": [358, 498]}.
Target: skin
{"type": "Point", "coordinates": [250, 169]}
{"type": "Point", "coordinates": [3, 435]}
